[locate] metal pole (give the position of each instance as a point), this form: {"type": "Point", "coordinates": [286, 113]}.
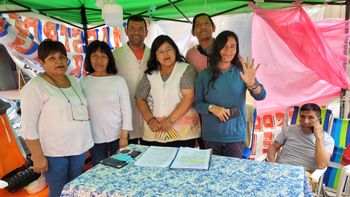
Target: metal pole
{"type": "Point", "coordinates": [189, 21]}
{"type": "Point", "coordinates": [84, 22]}
{"type": "Point", "coordinates": [344, 96]}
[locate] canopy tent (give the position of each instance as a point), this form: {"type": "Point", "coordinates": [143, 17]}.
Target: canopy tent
{"type": "Point", "coordinates": [242, 25]}
{"type": "Point", "coordinates": [82, 13]}
{"type": "Point", "coordinates": [85, 15]}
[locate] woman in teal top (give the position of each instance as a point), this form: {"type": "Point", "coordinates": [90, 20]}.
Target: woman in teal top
{"type": "Point", "coordinates": [221, 96]}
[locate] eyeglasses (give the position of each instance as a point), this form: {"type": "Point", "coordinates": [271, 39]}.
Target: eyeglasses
{"type": "Point", "coordinates": [163, 52]}
{"type": "Point", "coordinates": [79, 112]}
{"type": "Point", "coordinates": [61, 58]}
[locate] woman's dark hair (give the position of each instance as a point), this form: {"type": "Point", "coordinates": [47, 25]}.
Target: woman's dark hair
{"type": "Point", "coordinates": [48, 47]}
{"type": "Point", "coordinates": [153, 63]}
{"type": "Point", "coordinates": [312, 107]}
{"type": "Point", "coordinates": [198, 15]}
{"type": "Point", "coordinates": [104, 48]}
{"type": "Point", "coordinates": [215, 57]}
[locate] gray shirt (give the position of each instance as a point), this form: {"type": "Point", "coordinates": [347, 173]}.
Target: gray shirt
{"type": "Point", "coordinates": [299, 148]}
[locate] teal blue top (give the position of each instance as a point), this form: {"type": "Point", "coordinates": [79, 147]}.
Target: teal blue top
{"type": "Point", "coordinates": [228, 91]}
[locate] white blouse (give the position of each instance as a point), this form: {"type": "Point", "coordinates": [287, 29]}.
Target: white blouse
{"type": "Point", "coordinates": [109, 106]}
{"type": "Point", "coordinates": [48, 116]}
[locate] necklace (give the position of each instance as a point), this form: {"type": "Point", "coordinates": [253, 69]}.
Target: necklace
{"type": "Point", "coordinates": [68, 100]}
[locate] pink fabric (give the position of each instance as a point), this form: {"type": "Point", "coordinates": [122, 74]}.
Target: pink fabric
{"type": "Point", "coordinates": [299, 62]}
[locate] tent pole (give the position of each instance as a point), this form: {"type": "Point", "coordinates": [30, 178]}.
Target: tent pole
{"type": "Point", "coordinates": [189, 21]}
{"type": "Point", "coordinates": [84, 22]}
{"type": "Point", "coordinates": [344, 96]}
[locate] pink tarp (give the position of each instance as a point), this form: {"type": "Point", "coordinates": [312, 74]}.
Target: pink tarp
{"type": "Point", "coordinates": [300, 61]}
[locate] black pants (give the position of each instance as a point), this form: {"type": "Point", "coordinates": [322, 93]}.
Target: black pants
{"type": "Point", "coordinates": [184, 143]}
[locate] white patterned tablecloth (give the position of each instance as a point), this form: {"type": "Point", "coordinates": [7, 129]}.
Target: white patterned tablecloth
{"type": "Point", "coordinates": [226, 177]}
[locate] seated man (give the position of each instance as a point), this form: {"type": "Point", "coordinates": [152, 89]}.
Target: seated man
{"type": "Point", "coordinates": [305, 145]}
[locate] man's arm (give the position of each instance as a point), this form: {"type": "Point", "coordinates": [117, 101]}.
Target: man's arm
{"type": "Point", "coordinates": [272, 151]}
{"type": "Point", "coordinates": [322, 157]}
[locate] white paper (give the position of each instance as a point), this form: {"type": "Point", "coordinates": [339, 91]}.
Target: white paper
{"type": "Point", "coordinates": [156, 156]}
{"type": "Point", "coordinates": [192, 158]}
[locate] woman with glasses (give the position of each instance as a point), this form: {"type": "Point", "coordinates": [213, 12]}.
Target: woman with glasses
{"type": "Point", "coordinates": [108, 100]}
{"type": "Point", "coordinates": [55, 121]}
{"type": "Point", "coordinates": [165, 96]}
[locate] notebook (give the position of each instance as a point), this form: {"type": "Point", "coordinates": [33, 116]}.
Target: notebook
{"type": "Point", "coordinates": [176, 158]}
{"type": "Point", "coordinates": [156, 156]}
{"type": "Point", "coordinates": [192, 158]}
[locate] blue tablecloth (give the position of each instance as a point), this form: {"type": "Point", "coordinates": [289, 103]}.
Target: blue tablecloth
{"type": "Point", "coordinates": [226, 177]}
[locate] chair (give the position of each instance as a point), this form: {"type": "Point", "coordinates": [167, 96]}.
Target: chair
{"type": "Point", "coordinates": [343, 184]}
{"type": "Point", "coordinates": [326, 116]}
{"type": "Point", "coordinates": [11, 155]}
{"type": "Point", "coordinates": [250, 118]}
{"type": "Point", "coordinates": [335, 176]}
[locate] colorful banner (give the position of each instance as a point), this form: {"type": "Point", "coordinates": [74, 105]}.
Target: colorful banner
{"type": "Point", "coordinates": [22, 35]}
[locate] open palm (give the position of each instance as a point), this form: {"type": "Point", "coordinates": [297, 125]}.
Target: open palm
{"type": "Point", "coordinates": [249, 72]}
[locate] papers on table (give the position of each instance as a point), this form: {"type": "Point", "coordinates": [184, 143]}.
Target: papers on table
{"type": "Point", "coordinates": [177, 158]}
{"type": "Point", "coordinates": [191, 158]}
{"type": "Point", "coordinates": [156, 156]}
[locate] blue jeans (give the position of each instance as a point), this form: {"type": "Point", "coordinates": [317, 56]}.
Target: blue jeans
{"type": "Point", "coordinates": [62, 170]}
{"type": "Point", "coordinates": [100, 152]}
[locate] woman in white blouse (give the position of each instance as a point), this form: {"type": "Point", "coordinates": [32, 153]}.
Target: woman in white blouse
{"type": "Point", "coordinates": [55, 121]}
{"type": "Point", "coordinates": [108, 102]}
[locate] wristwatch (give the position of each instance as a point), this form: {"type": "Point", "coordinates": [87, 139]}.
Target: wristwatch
{"type": "Point", "coordinates": [209, 107]}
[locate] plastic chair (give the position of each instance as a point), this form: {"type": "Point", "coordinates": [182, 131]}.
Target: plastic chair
{"type": "Point", "coordinates": [333, 180]}
{"type": "Point", "coordinates": [251, 115]}
{"type": "Point", "coordinates": [343, 184]}
{"type": "Point", "coordinates": [326, 116]}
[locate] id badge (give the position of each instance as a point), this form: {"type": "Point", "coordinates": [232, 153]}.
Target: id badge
{"type": "Point", "coordinates": [80, 112]}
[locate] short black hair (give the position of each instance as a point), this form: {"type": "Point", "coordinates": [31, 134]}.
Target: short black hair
{"type": "Point", "coordinates": [313, 107]}
{"type": "Point", "coordinates": [153, 63]}
{"type": "Point", "coordinates": [136, 18]}
{"type": "Point", "coordinates": [48, 47]}
{"type": "Point", "coordinates": [198, 15]}
{"type": "Point", "coordinates": [104, 48]}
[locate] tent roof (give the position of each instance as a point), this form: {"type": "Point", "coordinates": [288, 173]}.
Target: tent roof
{"type": "Point", "coordinates": [70, 11]}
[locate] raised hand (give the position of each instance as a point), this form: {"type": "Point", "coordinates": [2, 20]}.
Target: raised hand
{"type": "Point", "coordinates": [249, 72]}
{"type": "Point", "coordinates": [317, 129]}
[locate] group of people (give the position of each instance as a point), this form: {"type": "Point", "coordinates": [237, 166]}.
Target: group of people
{"type": "Point", "coordinates": [136, 94]}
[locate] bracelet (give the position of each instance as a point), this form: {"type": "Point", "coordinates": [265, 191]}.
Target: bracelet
{"type": "Point", "coordinates": [149, 120]}
{"type": "Point", "coordinates": [168, 119]}
{"type": "Point", "coordinates": [255, 86]}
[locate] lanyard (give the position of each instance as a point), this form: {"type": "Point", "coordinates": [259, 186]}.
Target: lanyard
{"type": "Point", "coordinates": [68, 100]}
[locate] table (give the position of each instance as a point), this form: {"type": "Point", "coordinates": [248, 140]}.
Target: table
{"type": "Point", "coordinates": [226, 177]}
